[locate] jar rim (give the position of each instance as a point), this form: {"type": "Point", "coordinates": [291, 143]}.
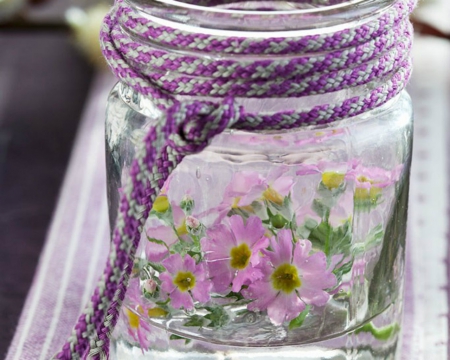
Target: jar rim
{"type": "Point", "coordinates": [264, 22]}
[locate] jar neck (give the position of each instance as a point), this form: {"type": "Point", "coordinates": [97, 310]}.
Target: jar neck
{"type": "Point", "coordinates": [264, 19]}
{"type": "Point", "coordinates": [324, 62]}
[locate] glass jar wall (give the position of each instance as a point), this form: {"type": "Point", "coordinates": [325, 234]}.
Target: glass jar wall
{"type": "Point", "coordinates": [269, 244]}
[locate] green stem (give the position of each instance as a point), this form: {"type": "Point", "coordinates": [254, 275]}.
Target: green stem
{"type": "Point", "coordinates": [383, 333]}
{"type": "Point", "coordinates": [326, 219]}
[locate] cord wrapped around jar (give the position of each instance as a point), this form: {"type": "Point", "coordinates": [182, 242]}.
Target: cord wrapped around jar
{"type": "Point", "coordinates": [202, 97]}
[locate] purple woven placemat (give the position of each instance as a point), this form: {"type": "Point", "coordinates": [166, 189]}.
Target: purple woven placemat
{"type": "Point", "coordinates": [75, 250]}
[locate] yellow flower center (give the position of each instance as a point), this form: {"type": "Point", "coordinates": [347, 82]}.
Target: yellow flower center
{"type": "Point", "coordinates": [182, 229]}
{"type": "Point", "coordinates": [133, 319]}
{"type": "Point", "coordinates": [161, 204]}
{"type": "Point", "coordinates": [240, 256]}
{"type": "Point", "coordinates": [157, 312]}
{"type": "Point", "coordinates": [184, 280]}
{"type": "Point", "coordinates": [273, 196]}
{"type": "Point", "coordinates": [285, 278]}
{"type": "Point", "coordinates": [332, 179]}
{"type": "Point", "coordinates": [235, 204]}
{"type": "Point", "coordinates": [363, 178]}
{"type": "Point", "coordinates": [367, 194]}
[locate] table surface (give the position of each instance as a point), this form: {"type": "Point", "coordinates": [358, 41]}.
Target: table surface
{"type": "Point", "coordinates": [43, 85]}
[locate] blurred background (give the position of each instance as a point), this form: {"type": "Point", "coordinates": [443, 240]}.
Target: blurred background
{"type": "Point", "coordinates": [49, 58]}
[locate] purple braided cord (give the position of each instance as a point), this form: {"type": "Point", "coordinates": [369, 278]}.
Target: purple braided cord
{"type": "Point", "coordinates": [374, 52]}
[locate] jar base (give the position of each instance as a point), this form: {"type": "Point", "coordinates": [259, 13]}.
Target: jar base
{"type": "Point", "coordinates": [374, 340]}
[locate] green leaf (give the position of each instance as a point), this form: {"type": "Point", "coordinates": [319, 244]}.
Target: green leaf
{"type": "Point", "coordinates": [298, 321]}
{"type": "Point", "coordinates": [217, 316]}
{"type": "Point", "coordinates": [320, 208]}
{"type": "Point", "coordinates": [162, 303]}
{"type": "Point", "coordinates": [156, 241]}
{"type": "Point", "coordinates": [341, 240]}
{"type": "Point", "coordinates": [195, 320]}
{"type": "Point", "coordinates": [179, 247]}
{"type": "Point", "coordinates": [375, 237]}
{"type": "Point", "coordinates": [166, 217]}
{"type": "Point", "coordinates": [318, 235]}
{"type": "Point", "coordinates": [382, 334]}
{"type": "Point", "coordinates": [176, 337]}
{"type": "Point", "coordinates": [187, 204]}
{"type": "Point", "coordinates": [158, 267]}
{"type": "Point", "coordinates": [236, 295]}
{"type": "Point", "coordinates": [344, 269]}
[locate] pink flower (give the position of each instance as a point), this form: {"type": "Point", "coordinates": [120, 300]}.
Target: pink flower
{"type": "Point", "coordinates": [137, 327]}
{"type": "Point", "coordinates": [248, 186]}
{"type": "Point", "coordinates": [184, 281]}
{"type": "Point", "coordinates": [232, 252]}
{"type": "Point", "coordinates": [156, 252]}
{"type": "Point", "coordinates": [374, 177]}
{"type": "Point", "coordinates": [291, 279]}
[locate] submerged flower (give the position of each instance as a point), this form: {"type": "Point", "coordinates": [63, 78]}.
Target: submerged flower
{"type": "Point", "coordinates": [138, 329]}
{"type": "Point", "coordinates": [292, 279]}
{"type": "Point", "coordinates": [155, 251]}
{"type": "Point", "coordinates": [370, 183]}
{"type": "Point", "coordinates": [184, 281]}
{"type": "Point", "coordinates": [232, 252]}
{"type": "Point", "coordinates": [247, 186]}
{"type": "Point", "coordinates": [136, 310]}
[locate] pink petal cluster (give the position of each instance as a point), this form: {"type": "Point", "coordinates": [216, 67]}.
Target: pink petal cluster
{"type": "Point", "coordinates": [248, 186]}
{"type": "Point", "coordinates": [365, 177]}
{"type": "Point", "coordinates": [156, 252]}
{"type": "Point", "coordinates": [175, 265]}
{"type": "Point", "coordinates": [140, 332]}
{"type": "Point", "coordinates": [219, 244]}
{"type": "Point", "coordinates": [312, 271]}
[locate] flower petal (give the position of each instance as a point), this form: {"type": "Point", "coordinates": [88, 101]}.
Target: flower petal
{"type": "Point", "coordinates": [218, 242]}
{"type": "Point", "coordinates": [242, 183]}
{"type": "Point", "coordinates": [313, 296]}
{"type": "Point", "coordinates": [285, 307]}
{"type": "Point", "coordinates": [221, 275]}
{"type": "Point", "coordinates": [180, 299]}
{"type": "Point", "coordinates": [173, 263]}
{"type": "Point", "coordinates": [262, 293]}
{"type": "Point", "coordinates": [201, 291]}
{"type": "Point", "coordinates": [282, 248]}
{"type": "Point", "coordinates": [245, 277]}
{"type": "Point", "coordinates": [251, 233]}
{"type": "Point", "coordinates": [283, 185]}
{"type": "Point", "coordinates": [167, 284]}
{"type": "Point", "coordinates": [189, 264]}
{"type": "Point", "coordinates": [301, 252]}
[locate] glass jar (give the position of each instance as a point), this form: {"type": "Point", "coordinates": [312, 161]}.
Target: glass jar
{"type": "Point", "coordinates": [268, 244]}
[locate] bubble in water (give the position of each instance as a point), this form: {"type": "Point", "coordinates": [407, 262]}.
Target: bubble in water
{"type": "Point", "coordinates": [207, 178]}
{"type": "Point", "coordinates": [250, 318]}
{"type": "Point", "coordinates": [198, 174]}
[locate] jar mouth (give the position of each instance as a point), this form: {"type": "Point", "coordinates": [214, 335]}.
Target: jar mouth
{"type": "Point", "coordinates": [260, 18]}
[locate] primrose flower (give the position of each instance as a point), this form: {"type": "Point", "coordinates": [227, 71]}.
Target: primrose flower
{"type": "Point", "coordinates": [370, 182]}
{"type": "Point", "coordinates": [247, 186]}
{"type": "Point", "coordinates": [332, 174]}
{"type": "Point", "coordinates": [138, 329]}
{"type": "Point", "coordinates": [184, 281]}
{"type": "Point", "coordinates": [374, 177]}
{"type": "Point", "coordinates": [292, 278]}
{"type": "Point", "coordinates": [232, 252]}
{"type": "Point", "coordinates": [170, 235]}
{"type": "Point", "coordinates": [136, 310]}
